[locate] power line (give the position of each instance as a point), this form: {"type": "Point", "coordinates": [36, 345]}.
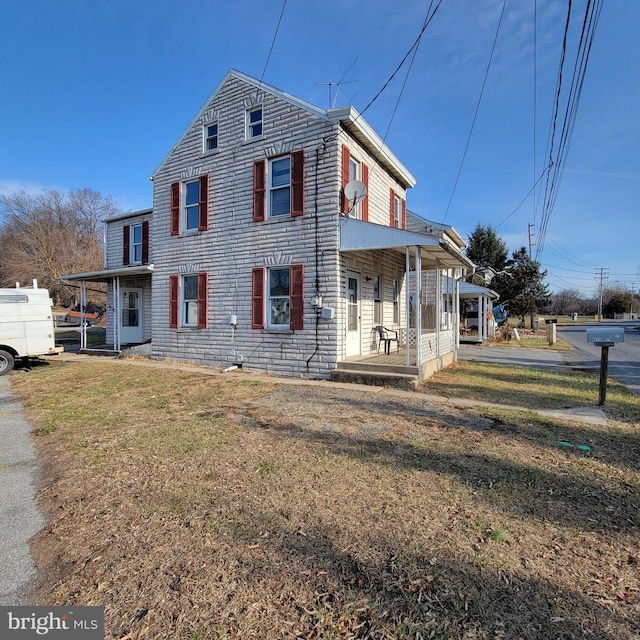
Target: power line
{"type": "Point", "coordinates": [475, 115]}
{"type": "Point", "coordinates": [427, 22]}
{"type": "Point", "coordinates": [273, 42]}
{"type": "Point", "coordinates": [587, 35]}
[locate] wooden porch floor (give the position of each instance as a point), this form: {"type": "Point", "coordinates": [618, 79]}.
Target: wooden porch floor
{"type": "Point", "coordinates": [394, 359]}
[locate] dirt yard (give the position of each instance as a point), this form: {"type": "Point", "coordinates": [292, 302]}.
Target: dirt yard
{"type": "Point", "coordinates": [197, 507]}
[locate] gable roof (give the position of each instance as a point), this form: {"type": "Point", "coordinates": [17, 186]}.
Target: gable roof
{"type": "Point", "coordinates": [347, 116]}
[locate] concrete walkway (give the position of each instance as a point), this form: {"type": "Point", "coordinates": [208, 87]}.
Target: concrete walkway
{"type": "Point", "coordinates": [19, 515]}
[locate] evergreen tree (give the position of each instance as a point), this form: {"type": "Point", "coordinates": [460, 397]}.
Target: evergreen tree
{"type": "Point", "coordinates": [523, 288]}
{"type": "Point", "coordinates": [487, 249]}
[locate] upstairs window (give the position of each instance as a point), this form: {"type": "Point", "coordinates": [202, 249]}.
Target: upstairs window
{"type": "Point", "coordinates": [135, 243]}
{"type": "Point", "coordinates": [398, 211]}
{"type": "Point", "coordinates": [190, 206]}
{"type": "Point", "coordinates": [210, 136]}
{"type": "Point", "coordinates": [254, 123]}
{"type": "Point", "coordinates": [278, 187]}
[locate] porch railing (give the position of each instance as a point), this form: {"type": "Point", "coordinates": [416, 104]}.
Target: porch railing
{"type": "Point", "coordinates": [429, 343]}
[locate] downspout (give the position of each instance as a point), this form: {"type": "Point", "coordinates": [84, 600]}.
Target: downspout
{"type": "Point", "coordinates": [317, 250]}
{"type": "Point", "coordinates": [116, 311]}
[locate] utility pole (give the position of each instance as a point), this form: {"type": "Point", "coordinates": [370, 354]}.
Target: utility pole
{"type": "Point", "coordinates": [603, 276]}
{"type": "Point", "coordinates": [530, 230]}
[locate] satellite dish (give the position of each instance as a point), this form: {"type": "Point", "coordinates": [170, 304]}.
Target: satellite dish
{"type": "Point", "coordinates": [355, 191]}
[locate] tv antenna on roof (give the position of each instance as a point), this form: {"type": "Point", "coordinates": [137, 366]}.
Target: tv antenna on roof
{"type": "Point", "coordinates": [332, 99]}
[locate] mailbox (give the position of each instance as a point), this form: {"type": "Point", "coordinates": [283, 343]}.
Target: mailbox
{"type": "Point", "coordinates": [605, 335]}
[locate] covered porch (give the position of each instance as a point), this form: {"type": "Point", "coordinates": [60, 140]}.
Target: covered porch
{"type": "Point", "coordinates": [427, 321]}
{"type": "Point", "coordinates": [128, 305]}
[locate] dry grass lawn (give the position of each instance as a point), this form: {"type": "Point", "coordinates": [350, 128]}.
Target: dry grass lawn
{"type": "Point", "coordinates": [195, 506]}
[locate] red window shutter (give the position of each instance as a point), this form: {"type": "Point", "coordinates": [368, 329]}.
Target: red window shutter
{"type": "Point", "coordinates": [174, 293]}
{"type": "Point", "coordinates": [365, 202]}
{"type": "Point", "coordinates": [175, 209]}
{"type": "Point", "coordinates": [344, 203]}
{"type": "Point", "coordinates": [296, 295]}
{"type": "Point", "coordinates": [203, 300]}
{"type": "Point", "coordinates": [258, 190]}
{"type": "Point", "coordinates": [257, 298]}
{"type": "Point", "coordinates": [145, 242]}
{"type": "Point", "coordinates": [126, 254]}
{"type": "Point", "coordinates": [203, 209]}
{"type": "Point", "coordinates": [392, 206]}
{"type": "Point", "coordinates": [404, 213]}
{"type": "Point", "coordinates": [297, 183]}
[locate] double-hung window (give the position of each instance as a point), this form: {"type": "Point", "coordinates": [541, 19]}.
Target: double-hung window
{"type": "Point", "coordinates": [377, 300]}
{"type": "Point", "coordinates": [188, 300]}
{"type": "Point", "coordinates": [398, 211]}
{"type": "Point", "coordinates": [396, 302]}
{"type": "Point", "coordinates": [277, 297]}
{"type": "Point", "coordinates": [135, 243]}
{"type": "Point", "coordinates": [254, 123]}
{"type": "Point", "coordinates": [278, 187]}
{"type": "Point", "coordinates": [355, 173]}
{"type": "Point", "coordinates": [210, 136]}
{"type": "Point", "coordinates": [190, 205]}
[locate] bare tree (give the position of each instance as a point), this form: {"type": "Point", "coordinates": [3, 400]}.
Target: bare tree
{"type": "Point", "coordinates": [50, 235]}
{"type": "Point", "coordinates": [566, 301]}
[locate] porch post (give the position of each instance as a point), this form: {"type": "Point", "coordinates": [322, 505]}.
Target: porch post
{"type": "Point", "coordinates": [438, 306]}
{"type": "Point", "coordinates": [83, 317]}
{"type": "Point", "coordinates": [418, 305]}
{"type": "Point", "coordinates": [407, 303]}
{"type": "Point", "coordinates": [456, 315]}
{"type": "Point", "coordinates": [116, 313]}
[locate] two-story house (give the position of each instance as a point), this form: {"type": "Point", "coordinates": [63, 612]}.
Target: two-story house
{"type": "Point", "coordinates": [252, 255]}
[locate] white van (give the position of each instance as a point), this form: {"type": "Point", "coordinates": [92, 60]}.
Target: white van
{"type": "Point", "coordinates": [26, 325]}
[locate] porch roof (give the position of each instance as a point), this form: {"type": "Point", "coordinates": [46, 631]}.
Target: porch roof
{"type": "Point", "coordinates": [104, 275]}
{"type": "Point", "coordinates": [356, 235]}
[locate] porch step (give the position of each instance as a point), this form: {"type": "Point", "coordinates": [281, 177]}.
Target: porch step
{"type": "Point", "coordinates": [378, 367]}
{"type": "Point", "coordinates": [375, 377]}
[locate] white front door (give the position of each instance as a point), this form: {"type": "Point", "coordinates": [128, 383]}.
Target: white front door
{"type": "Point", "coordinates": [353, 314]}
{"type": "Point", "coordinates": [131, 316]}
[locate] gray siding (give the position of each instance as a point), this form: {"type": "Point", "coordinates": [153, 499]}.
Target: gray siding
{"type": "Point", "coordinates": [233, 244]}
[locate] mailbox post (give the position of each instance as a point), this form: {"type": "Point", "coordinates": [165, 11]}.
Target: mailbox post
{"type": "Point", "coordinates": [605, 337]}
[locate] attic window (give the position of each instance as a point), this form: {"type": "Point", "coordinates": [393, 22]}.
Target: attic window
{"type": "Point", "coordinates": [210, 136]}
{"type": "Point", "coordinates": [254, 123]}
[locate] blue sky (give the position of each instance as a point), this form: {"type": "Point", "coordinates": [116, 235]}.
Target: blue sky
{"type": "Point", "coordinates": [94, 94]}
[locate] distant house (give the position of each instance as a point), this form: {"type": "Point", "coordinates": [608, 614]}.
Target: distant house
{"type": "Point", "coordinates": [252, 255]}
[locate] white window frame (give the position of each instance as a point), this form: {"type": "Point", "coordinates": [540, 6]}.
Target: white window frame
{"type": "Point", "coordinates": [355, 173]}
{"type": "Point", "coordinates": [251, 126]}
{"type": "Point", "coordinates": [133, 245]}
{"type": "Point", "coordinates": [270, 299]}
{"type": "Point", "coordinates": [378, 307]}
{"type": "Point", "coordinates": [395, 288]}
{"type": "Point", "coordinates": [271, 189]}
{"type": "Point", "coordinates": [397, 211]}
{"type": "Point", "coordinates": [207, 137]}
{"type": "Point", "coordinates": [188, 208]}
{"type": "Point", "coordinates": [188, 306]}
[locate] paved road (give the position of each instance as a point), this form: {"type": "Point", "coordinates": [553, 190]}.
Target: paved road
{"type": "Point", "coordinates": [19, 515]}
{"type": "Point", "coordinates": [624, 358]}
